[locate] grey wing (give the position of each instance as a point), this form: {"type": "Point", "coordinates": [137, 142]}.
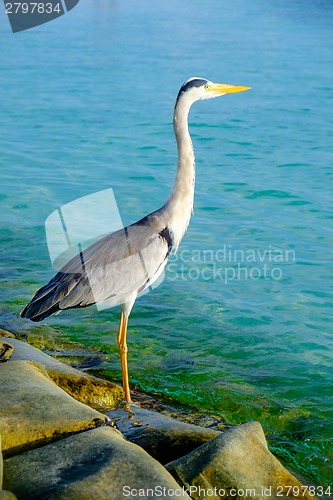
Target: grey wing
{"type": "Point", "coordinates": [118, 265]}
{"type": "Point", "coordinates": [121, 263]}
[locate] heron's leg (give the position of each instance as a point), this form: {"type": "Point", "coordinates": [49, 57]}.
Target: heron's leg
{"type": "Point", "coordinates": [122, 346]}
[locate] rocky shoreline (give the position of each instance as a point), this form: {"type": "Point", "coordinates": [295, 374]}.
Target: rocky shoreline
{"type": "Point", "coordinates": [66, 436]}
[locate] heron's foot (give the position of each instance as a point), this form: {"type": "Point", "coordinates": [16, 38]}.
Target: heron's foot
{"type": "Point", "coordinates": [128, 407]}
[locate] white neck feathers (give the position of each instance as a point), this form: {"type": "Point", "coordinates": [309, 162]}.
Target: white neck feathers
{"type": "Point", "coordinates": [179, 206]}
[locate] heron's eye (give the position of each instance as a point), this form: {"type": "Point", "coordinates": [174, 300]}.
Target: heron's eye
{"type": "Point", "coordinates": [207, 86]}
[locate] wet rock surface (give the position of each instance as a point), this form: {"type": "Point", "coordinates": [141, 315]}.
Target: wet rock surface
{"type": "Point", "coordinates": [98, 464]}
{"type": "Point", "coordinates": [237, 464]}
{"type": "Point", "coordinates": [92, 391]}
{"type": "Point", "coordinates": [164, 438]}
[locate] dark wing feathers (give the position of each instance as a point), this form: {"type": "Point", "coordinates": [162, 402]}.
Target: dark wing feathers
{"type": "Point", "coordinates": [110, 267]}
{"type": "Point", "coordinates": [47, 300]}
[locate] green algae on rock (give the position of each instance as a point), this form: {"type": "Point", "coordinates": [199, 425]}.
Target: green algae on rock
{"type": "Point", "coordinates": [6, 351]}
{"type": "Point", "coordinates": [4, 333]}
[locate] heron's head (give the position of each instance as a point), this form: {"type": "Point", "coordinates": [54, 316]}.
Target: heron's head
{"type": "Point", "coordinates": [196, 89]}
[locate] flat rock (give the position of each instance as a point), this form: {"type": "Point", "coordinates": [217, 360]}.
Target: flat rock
{"type": "Point", "coordinates": [164, 438]}
{"type": "Point", "coordinates": [238, 465]}
{"type": "Point", "coordinates": [92, 391]}
{"type": "Point", "coordinates": [99, 464]}
{"type": "Point", "coordinates": [34, 410]}
{"type": "Point", "coordinates": [6, 351]}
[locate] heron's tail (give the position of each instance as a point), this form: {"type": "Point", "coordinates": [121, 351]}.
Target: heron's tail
{"type": "Point", "coordinates": [50, 298]}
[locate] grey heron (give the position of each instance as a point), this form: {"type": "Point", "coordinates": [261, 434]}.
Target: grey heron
{"type": "Point", "coordinates": [119, 266]}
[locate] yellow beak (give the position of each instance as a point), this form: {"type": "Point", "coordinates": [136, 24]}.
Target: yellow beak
{"type": "Point", "coordinates": [222, 88]}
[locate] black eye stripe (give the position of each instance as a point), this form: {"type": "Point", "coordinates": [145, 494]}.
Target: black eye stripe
{"type": "Point", "coordinates": [196, 82]}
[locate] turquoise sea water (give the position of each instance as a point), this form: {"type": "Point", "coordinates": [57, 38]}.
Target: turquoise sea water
{"type": "Point", "coordinates": [86, 104]}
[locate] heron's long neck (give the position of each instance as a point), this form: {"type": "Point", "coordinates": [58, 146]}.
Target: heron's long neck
{"type": "Point", "coordinates": [180, 203]}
